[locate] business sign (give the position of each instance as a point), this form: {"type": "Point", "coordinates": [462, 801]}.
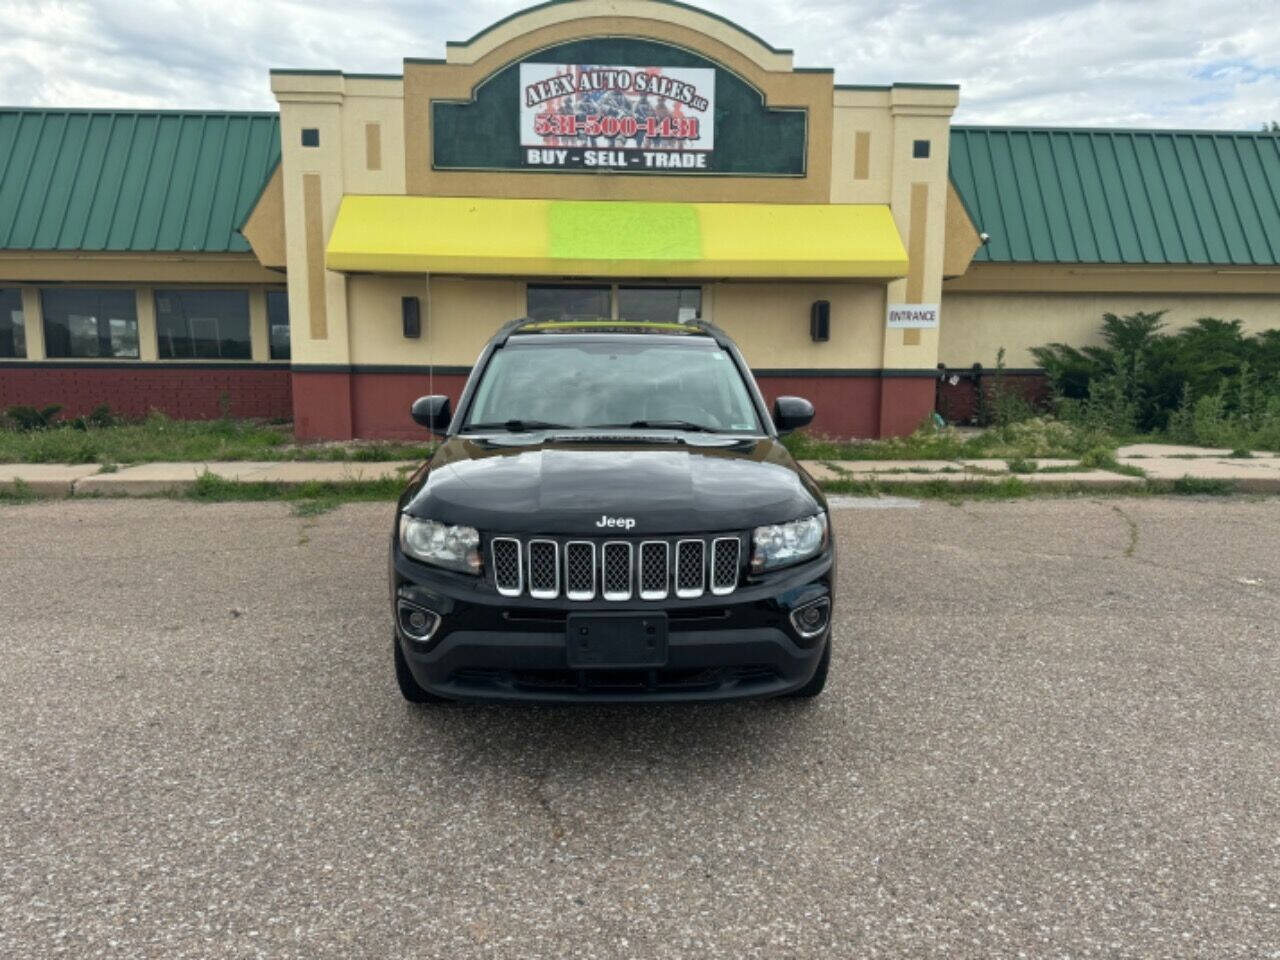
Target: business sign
{"type": "Point", "coordinates": [641, 119]}
{"type": "Point", "coordinates": [906, 316]}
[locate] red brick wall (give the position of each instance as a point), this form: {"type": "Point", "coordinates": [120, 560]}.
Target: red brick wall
{"type": "Point", "coordinates": [366, 404]}
{"type": "Point", "coordinates": [375, 405]}
{"type": "Point", "coordinates": [186, 392]}
{"type": "Point", "coordinates": [959, 403]}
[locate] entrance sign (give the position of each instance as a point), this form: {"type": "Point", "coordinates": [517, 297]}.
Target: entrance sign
{"type": "Point", "coordinates": [909, 316]}
{"type": "Point", "coordinates": [633, 118]}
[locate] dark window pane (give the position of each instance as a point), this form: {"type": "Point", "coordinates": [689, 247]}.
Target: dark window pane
{"type": "Point", "coordinates": [203, 324]}
{"type": "Point", "coordinates": [278, 323]}
{"type": "Point", "coordinates": [660, 304]}
{"type": "Point", "coordinates": [568, 303]}
{"type": "Point", "coordinates": [13, 331]}
{"type": "Point", "coordinates": [90, 323]}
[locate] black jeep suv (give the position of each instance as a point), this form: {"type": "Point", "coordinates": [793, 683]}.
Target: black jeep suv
{"type": "Point", "coordinates": [610, 516]}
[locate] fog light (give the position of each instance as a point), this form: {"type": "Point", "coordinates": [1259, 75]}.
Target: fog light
{"type": "Point", "coordinates": [811, 619]}
{"type": "Point", "coordinates": [416, 622]}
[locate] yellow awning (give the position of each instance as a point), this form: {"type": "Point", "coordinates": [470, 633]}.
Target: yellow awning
{"type": "Point", "coordinates": [606, 238]}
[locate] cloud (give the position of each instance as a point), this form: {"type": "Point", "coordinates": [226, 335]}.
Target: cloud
{"type": "Point", "coordinates": [1197, 63]}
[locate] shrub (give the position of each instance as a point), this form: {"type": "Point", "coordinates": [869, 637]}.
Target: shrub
{"type": "Point", "coordinates": [26, 419]}
{"type": "Point", "coordinates": [1205, 384]}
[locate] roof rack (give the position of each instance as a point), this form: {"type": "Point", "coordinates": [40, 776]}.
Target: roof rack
{"type": "Point", "coordinates": [609, 325]}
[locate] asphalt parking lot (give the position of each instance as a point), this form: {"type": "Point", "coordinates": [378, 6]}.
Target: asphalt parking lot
{"type": "Point", "coordinates": [1052, 730]}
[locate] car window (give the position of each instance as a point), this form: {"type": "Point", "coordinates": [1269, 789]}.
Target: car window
{"type": "Point", "coordinates": [617, 383]}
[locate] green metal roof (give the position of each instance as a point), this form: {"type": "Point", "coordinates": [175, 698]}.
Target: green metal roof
{"type": "Point", "coordinates": [132, 181]}
{"type": "Point", "coordinates": [1058, 195]}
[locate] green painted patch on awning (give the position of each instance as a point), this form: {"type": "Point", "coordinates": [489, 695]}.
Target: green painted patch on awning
{"type": "Point", "coordinates": [622, 230]}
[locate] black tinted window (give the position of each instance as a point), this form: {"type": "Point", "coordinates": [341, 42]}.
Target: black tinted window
{"type": "Point", "coordinates": [13, 331]}
{"type": "Point", "coordinates": [567, 303]}
{"type": "Point", "coordinates": [203, 324]}
{"type": "Point", "coordinates": [90, 323]}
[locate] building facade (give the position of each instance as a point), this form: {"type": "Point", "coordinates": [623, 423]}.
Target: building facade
{"type": "Point", "coordinates": [628, 158]}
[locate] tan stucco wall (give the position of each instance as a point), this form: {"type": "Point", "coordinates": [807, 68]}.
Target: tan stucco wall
{"type": "Point", "coordinates": [232, 268]}
{"type": "Point", "coordinates": [976, 325]}
{"type": "Point", "coordinates": [458, 316]}
{"type": "Point", "coordinates": [770, 322]}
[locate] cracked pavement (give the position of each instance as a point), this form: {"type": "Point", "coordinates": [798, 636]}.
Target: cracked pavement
{"type": "Point", "coordinates": [1051, 730]}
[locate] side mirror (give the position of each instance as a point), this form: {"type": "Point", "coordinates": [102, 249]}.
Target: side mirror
{"type": "Point", "coordinates": [791, 413]}
{"type": "Point", "coordinates": [432, 413]}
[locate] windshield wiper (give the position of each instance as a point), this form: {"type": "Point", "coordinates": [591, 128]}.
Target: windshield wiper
{"type": "Point", "coordinates": [516, 426]}
{"type": "Point", "coordinates": [687, 425]}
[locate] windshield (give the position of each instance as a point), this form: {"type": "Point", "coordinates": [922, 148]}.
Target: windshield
{"type": "Point", "coordinates": [627, 382]}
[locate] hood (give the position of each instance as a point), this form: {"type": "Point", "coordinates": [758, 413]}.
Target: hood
{"type": "Point", "coordinates": [566, 486]}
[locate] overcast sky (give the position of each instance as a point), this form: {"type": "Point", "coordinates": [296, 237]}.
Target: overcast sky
{"type": "Point", "coordinates": [1185, 63]}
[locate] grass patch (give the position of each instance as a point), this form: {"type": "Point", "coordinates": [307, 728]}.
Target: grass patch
{"type": "Point", "coordinates": [1021, 465]}
{"type": "Point", "coordinates": [19, 492]}
{"type": "Point", "coordinates": [309, 499]}
{"type": "Point", "coordinates": [1006, 488]}
{"type": "Point", "coordinates": [160, 439]}
{"type": "Point", "coordinates": [1026, 440]}
{"type": "Point", "coordinates": [1191, 486]}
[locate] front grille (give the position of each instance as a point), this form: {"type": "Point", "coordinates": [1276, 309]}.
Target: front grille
{"type": "Point", "coordinates": [544, 569]}
{"type": "Point", "coordinates": [724, 564]}
{"type": "Point", "coordinates": [580, 570]}
{"type": "Point", "coordinates": [616, 570]}
{"type": "Point", "coordinates": [655, 569]}
{"type": "Point", "coordinates": [691, 568]}
{"type": "Point", "coordinates": [507, 573]}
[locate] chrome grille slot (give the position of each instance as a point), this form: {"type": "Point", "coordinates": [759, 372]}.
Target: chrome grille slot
{"type": "Point", "coordinates": [507, 573]}
{"type": "Point", "coordinates": [691, 568]}
{"type": "Point", "coordinates": [580, 570]}
{"type": "Point", "coordinates": [725, 553]}
{"type": "Point", "coordinates": [544, 569]}
{"type": "Point", "coordinates": [615, 570]}
{"type": "Point", "coordinates": [655, 569]}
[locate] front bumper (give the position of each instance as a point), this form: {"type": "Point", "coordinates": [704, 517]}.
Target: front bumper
{"type": "Point", "coordinates": [489, 647]}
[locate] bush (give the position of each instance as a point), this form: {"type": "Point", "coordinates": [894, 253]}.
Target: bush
{"type": "Point", "coordinates": [26, 419]}
{"type": "Point", "coordinates": [1206, 384]}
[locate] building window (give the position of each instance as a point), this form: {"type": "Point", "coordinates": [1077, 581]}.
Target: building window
{"type": "Point", "coordinates": [278, 324]}
{"type": "Point", "coordinates": [920, 149]}
{"type": "Point", "coordinates": [13, 330]}
{"type": "Point", "coordinates": [90, 323]}
{"type": "Point", "coordinates": [310, 137]}
{"type": "Point", "coordinates": [660, 304]}
{"type": "Point", "coordinates": [203, 324]}
{"type": "Point", "coordinates": [547, 302]}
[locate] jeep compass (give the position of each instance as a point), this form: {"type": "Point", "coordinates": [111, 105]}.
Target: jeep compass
{"type": "Point", "coordinates": [611, 516]}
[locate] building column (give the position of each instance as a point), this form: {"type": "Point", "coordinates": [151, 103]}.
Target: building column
{"type": "Point", "coordinates": [148, 336]}
{"type": "Point", "coordinates": [33, 322]}
{"type": "Point", "coordinates": [909, 358]}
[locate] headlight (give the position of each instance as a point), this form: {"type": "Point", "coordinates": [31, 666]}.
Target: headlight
{"type": "Point", "coordinates": [457, 548]}
{"type": "Point", "coordinates": [780, 544]}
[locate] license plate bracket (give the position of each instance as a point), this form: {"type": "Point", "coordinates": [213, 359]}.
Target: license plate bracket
{"type": "Point", "coordinates": [616, 640]}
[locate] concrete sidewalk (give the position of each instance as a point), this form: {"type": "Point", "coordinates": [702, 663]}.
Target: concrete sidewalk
{"type": "Point", "coordinates": [62, 480]}
{"type": "Point", "coordinates": [1161, 462]}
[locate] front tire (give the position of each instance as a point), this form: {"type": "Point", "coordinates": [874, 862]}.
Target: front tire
{"type": "Point", "coordinates": [410, 689]}
{"type": "Point", "coordinates": [819, 679]}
